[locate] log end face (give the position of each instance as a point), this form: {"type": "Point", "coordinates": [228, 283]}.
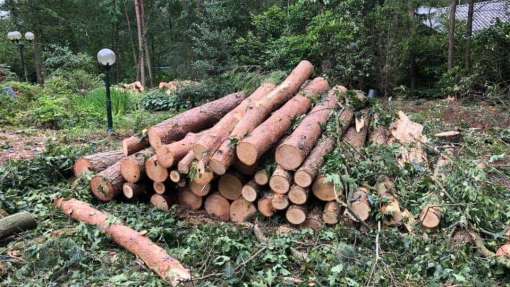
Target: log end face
{"type": "Point", "coordinates": [247, 153]}
{"type": "Point", "coordinates": [295, 215]}
{"type": "Point", "coordinates": [324, 190]}
{"type": "Point", "coordinates": [102, 189]}
{"type": "Point", "coordinates": [303, 179]}
{"type": "Point", "coordinates": [279, 184]}
{"type": "Point", "coordinates": [81, 166]}
{"type": "Point", "coordinates": [217, 167]}
{"type": "Point", "coordinates": [127, 190]}
{"type": "Point", "coordinates": [289, 156]}
{"type": "Point", "coordinates": [165, 157]}
{"type": "Point", "coordinates": [217, 206]}
{"type": "Point", "coordinates": [249, 193]}
{"type": "Point", "coordinates": [230, 186]}
{"type": "Point", "coordinates": [130, 170]}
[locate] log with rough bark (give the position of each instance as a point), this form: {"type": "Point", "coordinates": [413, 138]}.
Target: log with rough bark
{"type": "Point", "coordinates": [242, 210]}
{"type": "Point", "coordinates": [132, 168]}
{"type": "Point", "coordinates": [260, 140]}
{"type": "Point", "coordinates": [356, 135]}
{"type": "Point", "coordinates": [280, 201]}
{"type": "Point", "coordinates": [151, 254]}
{"type": "Point", "coordinates": [217, 206]}
{"type": "Point", "coordinates": [175, 176]}
{"type": "Point", "coordinates": [296, 214]}
{"type": "Point", "coordinates": [224, 157]}
{"type": "Point", "coordinates": [305, 175]}
{"type": "Point", "coordinates": [210, 141]}
{"type": "Point", "coordinates": [280, 180]}
{"type": "Point", "coordinates": [107, 184]}
{"type": "Point", "coordinates": [250, 191]}
{"type": "Point", "coordinates": [230, 185]}
{"type": "Point", "coordinates": [359, 204]}
{"type": "Point", "coordinates": [200, 189]}
{"type": "Point", "coordinates": [295, 148]}
{"type": "Point", "coordinates": [325, 190]}
{"type": "Point", "coordinates": [189, 199]}
{"type": "Point", "coordinates": [185, 163]}
{"type": "Point", "coordinates": [154, 170]}
{"type": "Point", "coordinates": [261, 177]}
{"type": "Point", "coordinates": [265, 205]}
{"type": "Point", "coordinates": [16, 223]}
{"type": "Point", "coordinates": [134, 190]}
{"type": "Point", "coordinates": [162, 201]}
{"type": "Point", "coordinates": [331, 212]}
{"type": "Point", "coordinates": [194, 120]}
{"type": "Point", "coordinates": [134, 144]}
{"type": "Point", "coordinates": [298, 195]}
{"type": "Point", "coordinates": [168, 154]}
{"type": "Point", "coordinates": [96, 162]}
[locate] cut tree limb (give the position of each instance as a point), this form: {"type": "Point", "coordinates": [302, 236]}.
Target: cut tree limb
{"type": "Point", "coordinates": [175, 176]}
{"type": "Point", "coordinates": [132, 168]}
{"type": "Point", "coordinates": [359, 204]}
{"type": "Point", "coordinates": [296, 214]}
{"type": "Point", "coordinates": [155, 257]}
{"type": "Point", "coordinates": [378, 136]}
{"type": "Point", "coordinates": [261, 177]}
{"type": "Point", "coordinates": [16, 223]}
{"type": "Point", "coordinates": [305, 175]}
{"type": "Point", "coordinates": [184, 164]}
{"type": "Point", "coordinates": [168, 154]}
{"type": "Point", "coordinates": [96, 162]}
{"type": "Point", "coordinates": [163, 202]}
{"type": "Point", "coordinates": [265, 205]}
{"type": "Point", "coordinates": [280, 201]}
{"type": "Point", "coordinates": [134, 144]}
{"type": "Point", "coordinates": [356, 135]}
{"type": "Point", "coordinates": [200, 189]}
{"type": "Point", "coordinates": [107, 184]}
{"type": "Point", "coordinates": [331, 212]}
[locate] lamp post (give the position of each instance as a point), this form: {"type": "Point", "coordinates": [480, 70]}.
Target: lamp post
{"type": "Point", "coordinates": [16, 38]}
{"type": "Point", "coordinates": [106, 58]}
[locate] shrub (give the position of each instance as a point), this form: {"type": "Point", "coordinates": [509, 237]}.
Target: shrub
{"type": "Point", "coordinates": [61, 58]}
{"type": "Point", "coordinates": [72, 82]}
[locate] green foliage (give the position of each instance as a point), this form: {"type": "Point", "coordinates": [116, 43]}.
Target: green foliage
{"type": "Point", "coordinates": [61, 59]}
{"type": "Point", "coordinates": [157, 100]}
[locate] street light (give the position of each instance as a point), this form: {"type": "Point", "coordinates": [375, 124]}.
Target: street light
{"type": "Point", "coordinates": [16, 37]}
{"type": "Point", "coordinates": [106, 58]}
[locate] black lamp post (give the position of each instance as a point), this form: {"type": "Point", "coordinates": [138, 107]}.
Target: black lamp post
{"type": "Point", "coordinates": [106, 58]}
{"type": "Point", "coordinates": [16, 38]}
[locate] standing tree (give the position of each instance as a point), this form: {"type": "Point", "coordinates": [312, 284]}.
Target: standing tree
{"type": "Point", "coordinates": [451, 33]}
{"type": "Point", "coordinates": [469, 33]}
{"type": "Point", "coordinates": [141, 39]}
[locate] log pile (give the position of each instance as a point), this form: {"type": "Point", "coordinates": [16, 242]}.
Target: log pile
{"type": "Point", "coordinates": [215, 156]}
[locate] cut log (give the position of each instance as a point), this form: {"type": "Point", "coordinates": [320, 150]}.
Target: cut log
{"type": "Point", "coordinates": [359, 204]}
{"type": "Point", "coordinates": [242, 210]}
{"type": "Point", "coordinates": [305, 175]}
{"type": "Point", "coordinates": [230, 186]}
{"type": "Point", "coordinates": [261, 177]}
{"type": "Point", "coordinates": [280, 180]}
{"type": "Point", "coordinates": [251, 148]}
{"type": "Point", "coordinates": [449, 136]}
{"type": "Point", "coordinates": [280, 201]}
{"type": "Point", "coordinates": [410, 135]}
{"type": "Point", "coordinates": [96, 162]}
{"type": "Point", "coordinates": [134, 144]}
{"type": "Point", "coordinates": [184, 165]}
{"type": "Point", "coordinates": [189, 199]}
{"type": "Point", "coordinates": [163, 202]}
{"type": "Point", "coordinates": [154, 170]}
{"type": "Point", "coordinates": [379, 136]}
{"type": "Point", "coordinates": [430, 216]}
{"type": "Point", "coordinates": [200, 189]}
{"type": "Point", "coordinates": [298, 195]}
{"type": "Point", "coordinates": [390, 208]}
{"type": "Point", "coordinates": [331, 212]}
{"type": "Point", "coordinates": [16, 223]}
{"type": "Point", "coordinates": [175, 176]}
{"type": "Point", "coordinates": [160, 187]}
{"type": "Point", "coordinates": [202, 175]}
{"type": "Point", "coordinates": [132, 168]}
{"type": "Point", "coordinates": [151, 254]}
{"type": "Point", "coordinates": [296, 214]}
{"type": "Point", "coordinates": [134, 190]}
{"type": "Point", "coordinates": [248, 170]}
{"type": "Point", "coordinates": [217, 206]}
{"type": "Point", "coordinates": [293, 151]}
{"type": "Point", "coordinates": [250, 191]}
{"type": "Point", "coordinates": [257, 113]}
{"type": "Point", "coordinates": [107, 184]}
{"type": "Point", "coordinates": [356, 136]}
{"type": "Point", "coordinates": [314, 219]}
{"type": "Point", "coordinates": [205, 147]}
{"type": "Point", "coordinates": [168, 154]}
{"type": "Point", "coordinates": [325, 190]}
{"type": "Point", "coordinates": [265, 205]}
{"type": "Point", "coordinates": [194, 120]}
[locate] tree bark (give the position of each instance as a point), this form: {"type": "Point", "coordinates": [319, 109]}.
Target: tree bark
{"type": "Point", "coordinates": [155, 257]}
{"type": "Point", "coordinates": [169, 153]}
{"type": "Point", "coordinates": [451, 33]}
{"type": "Point", "coordinates": [294, 150]}
{"type": "Point", "coordinates": [305, 175]}
{"type": "Point", "coordinates": [280, 180]}
{"type": "Point", "coordinates": [16, 223]}
{"type": "Point", "coordinates": [251, 148]}
{"type": "Point", "coordinates": [469, 33]}
{"type": "Point", "coordinates": [96, 162]}
{"type": "Point", "coordinates": [257, 113]}
{"type": "Point", "coordinates": [242, 210]}
{"type": "Point", "coordinates": [132, 168]}
{"type": "Point", "coordinates": [134, 144]}
{"type": "Point", "coordinates": [107, 184]}
{"type": "Point", "coordinates": [141, 43]}
{"type": "Point", "coordinates": [217, 206]}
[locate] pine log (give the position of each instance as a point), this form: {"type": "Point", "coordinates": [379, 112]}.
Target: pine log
{"type": "Point", "coordinates": [16, 223]}
{"type": "Point", "coordinates": [163, 202]}
{"type": "Point", "coordinates": [378, 136]}
{"type": "Point", "coordinates": [132, 168]}
{"type": "Point", "coordinates": [189, 199]}
{"type": "Point", "coordinates": [293, 151]}
{"type": "Point", "coordinates": [168, 154]}
{"type": "Point", "coordinates": [242, 210]}
{"type": "Point", "coordinates": [134, 144]}
{"type": "Point", "coordinates": [248, 170]}
{"type": "Point", "coordinates": [202, 174]}
{"type": "Point", "coordinates": [314, 219]}
{"type": "Point", "coordinates": [250, 191]}
{"type": "Point", "coordinates": [154, 170]}
{"type": "Point", "coordinates": [390, 207]}
{"type": "Point", "coordinates": [185, 163]}
{"type": "Point", "coordinates": [261, 177]}
{"type": "Point", "coordinates": [325, 190]}
{"type": "Point", "coordinates": [200, 189]}
{"type": "Point", "coordinates": [252, 147]}
{"type": "Point", "coordinates": [96, 162]}
{"type": "Point", "coordinates": [160, 187]}
{"type": "Point", "coordinates": [356, 138]}
{"type": "Point", "coordinates": [298, 195]}
{"type": "Point", "coordinates": [257, 113]}
{"type": "Point", "coordinates": [230, 186]}
{"type": "Point", "coordinates": [210, 141]}
{"type": "Point", "coordinates": [296, 214]}
{"type": "Point", "coordinates": [331, 212]}
{"type": "Point", "coordinates": [430, 216]}
{"type": "Point", "coordinates": [193, 120]}
{"type": "Point", "coordinates": [154, 256]}
{"type": "Point", "coordinates": [280, 201]}
{"type": "Point", "coordinates": [265, 205]}
{"type": "Point", "coordinates": [280, 180]}
{"type": "Point", "coordinates": [134, 190]}
{"type": "Point", "coordinates": [107, 184]}
{"type": "Point", "coordinates": [359, 204]}
{"type": "Point", "coordinates": [175, 176]}
{"type": "Point", "coordinates": [305, 175]}
{"type": "Point", "coordinates": [217, 206]}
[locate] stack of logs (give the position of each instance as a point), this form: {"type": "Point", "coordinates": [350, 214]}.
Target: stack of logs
{"type": "Point", "coordinates": [215, 156]}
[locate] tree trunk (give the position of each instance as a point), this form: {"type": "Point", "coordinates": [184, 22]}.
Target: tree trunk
{"type": "Point", "coordinates": [451, 33]}
{"type": "Point", "coordinates": [305, 175]}
{"type": "Point", "coordinates": [280, 180]}
{"type": "Point", "coordinates": [230, 186]}
{"type": "Point", "coordinates": [169, 153]}
{"type": "Point", "coordinates": [16, 223]}
{"type": "Point", "coordinates": [134, 144]}
{"type": "Point", "coordinates": [107, 184]}
{"type": "Point", "coordinates": [250, 191]}
{"type": "Point", "coordinates": [265, 205]}
{"type": "Point", "coordinates": [217, 206]}
{"type": "Point", "coordinates": [331, 212]}
{"type": "Point", "coordinates": [325, 190]}
{"type": "Point", "coordinates": [242, 210]}
{"type": "Point", "coordinates": [154, 256]}
{"type": "Point", "coordinates": [184, 164]}
{"type": "Point", "coordinates": [298, 195]}
{"type": "Point", "coordinates": [39, 70]}
{"type": "Point", "coordinates": [257, 113]}
{"type": "Point", "coordinates": [134, 190]}
{"type": "Point", "coordinates": [261, 177]}
{"type": "Point", "coordinates": [296, 214]}
{"type": "Point", "coordinates": [141, 43]}
{"type": "Point", "coordinates": [188, 199]}
{"type": "Point", "coordinates": [294, 150]}
{"type": "Point", "coordinates": [194, 120]}
{"type": "Point", "coordinates": [131, 39]}
{"type": "Point", "coordinates": [154, 170]}
{"type": "Point", "coordinates": [132, 168]}
{"type": "Point", "coordinates": [96, 162]}
{"type": "Point", "coordinates": [280, 201]}
{"type": "Point", "coordinates": [469, 33]}
{"type": "Point", "coordinates": [251, 148]}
